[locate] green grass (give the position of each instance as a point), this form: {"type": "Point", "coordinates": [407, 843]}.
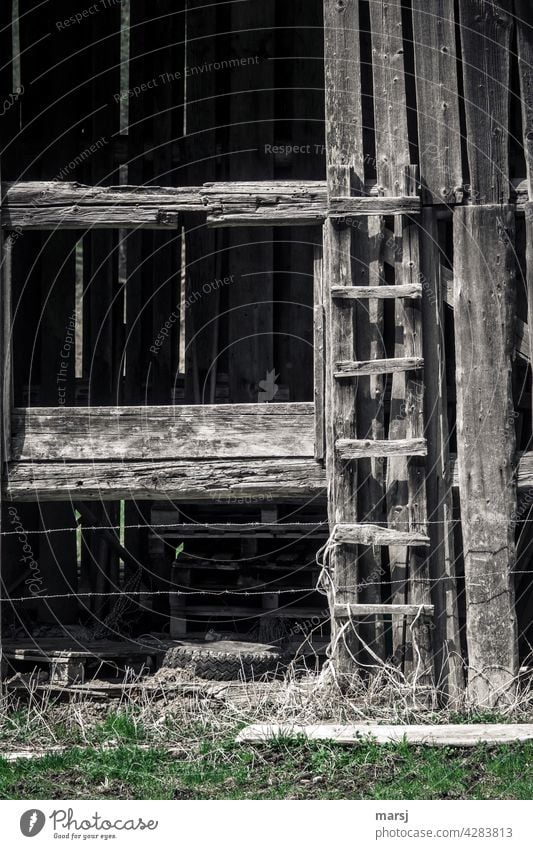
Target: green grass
{"type": "Point", "coordinates": [279, 770]}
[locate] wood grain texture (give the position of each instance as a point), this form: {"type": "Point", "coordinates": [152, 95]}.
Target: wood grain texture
{"type": "Point", "coordinates": [140, 433]}
{"type": "Point", "coordinates": [439, 131]}
{"type": "Point", "coordinates": [352, 449]}
{"type": "Point", "coordinates": [182, 480]}
{"type": "Point", "coordinates": [410, 610]}
{"type": "Point", "coordinates": [484, 310]}
{"type": "Point", "coordinates": [407, 290]}
{"type": "Point", "coordinates": [486, 29]}
{"type": "Point", "coordinates": [372, 367]}
{"type": "Point", "coordinates": [442, 569]}
{"type": "Point", "coordinates": [390, 103]}
{"type": "Point", "coordinates": [368, 534]}
{"type": "Point", "coordinates": [524, 29]}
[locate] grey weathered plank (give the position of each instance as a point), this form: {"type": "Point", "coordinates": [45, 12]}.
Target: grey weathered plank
{"type": "Point", "coordinates": [281, 202]}
{"type": "Point", "coordinates": [183, 480]}
{"type": "Point", "coordinates": [390, 105]}
{"type": "Point", "coordinates": [406, 290]}
{"type": "Point", "coordinates": [371, 367]}
{"type": "Point", "coordinates": [417, 735]}
{"type": "Point", "coordinates": [354, 207]}
{"type": "Point", "coordinates": [439, 131]}
{"type": "Point", "coordinates": [353, 449]}
{"type": "Point", "coordinates": [484, 251]}
{"type": "Point", "coordinates": [524, 29]}
{"type": "Point", "coordinates": [449, 662]}
{"type": "Point", "coordinates": [486, 29]}
{"type": "Point", "coordinates": [319, 351]}
{"type": "Point", "coordinates": [345, 173]}
{"type": "Point", "coordinates": [410, 610]}
{"type": "Point", "coordinates": [135, 433]}
{"type": "Point", "coordinates": [368, 534]}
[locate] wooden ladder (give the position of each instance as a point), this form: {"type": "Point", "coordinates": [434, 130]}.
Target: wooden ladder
{"type": "Point", "coordinates": [343, 448]}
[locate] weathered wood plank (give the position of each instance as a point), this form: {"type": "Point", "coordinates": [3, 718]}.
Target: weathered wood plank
{"type": "Point", "coordinates": [341, 207]}
{"type": "Point", "coordinates": [439, 131]}
{"type": "Point", "coordinates": [136, 433]}
{"type": "Point", "coordinates": [278, 202]}
{"type": "Point", "coordinates": [406, 290]}
{"type": "Point", "coordinates": [447, 644]}
{"type": "Point", "coordinates": [367, 534]}
{"type": "Point", "coordinates": [353, 449]}
{"type": "Point", "coordinates": [410, 610]}
{"type": "Point", "coordinates": [390, 105]}
{"type": "Point", "coordinates": [319, 365]}
{"type": "Point", "coordinates": [486, 29]}
{"type": "Point", "coordinates": [345, 172]}
{"type": "Point", "coordinates": [417, 735]}
{"type": "Point", "coordinates": [371, 367]}
{"type": "Point", "coordinates": [182, 480]}
{"type": "Point", "coordinates": [524, 29]}
{"type": "Point", "coordinates": [484, 294]}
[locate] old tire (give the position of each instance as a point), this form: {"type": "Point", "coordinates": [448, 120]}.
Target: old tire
{"type": "Point", "coordinates": [224, 660]}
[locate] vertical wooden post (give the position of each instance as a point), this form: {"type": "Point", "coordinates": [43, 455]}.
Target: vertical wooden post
{"type": "Point", "coordinates": [484, 316]}
{"type": "Point", "coordinates": [344, 142]}
{"type": "Point", "coordinates": [448, 660]}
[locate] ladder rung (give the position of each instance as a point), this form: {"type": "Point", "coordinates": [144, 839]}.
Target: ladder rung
{"type": "Point", "coordinates": [376, 535]}
{"type": "Point", "coordinates": [357, 369]}
{"type": "Point", "coordinates": [341, 611]}
{"type": "Point", "coordinates": [354, 293]}
{"type": "Point", "coordinates": [355, 449]}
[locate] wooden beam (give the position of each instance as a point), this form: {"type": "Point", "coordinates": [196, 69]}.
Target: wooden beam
{"type": "Point", "coordinates": [356, 207]}
{"type": "Point", "coordinates": [353, 449]}
{"type": "Point", "coordinates": [138, 433]}
{"type": "Point", "coordinates": [45, 205]}
{"type": "Point", "coordinates": [484, 311]}
{"type": "Point", "coordinates": [283, 479]}
{"type": "Point", "coordinates": [410, 610]}
{"type": "Point", "coordinates": [371, 367]}
{"type": "Point", "coordinates": [486, 30]}
{"type": "Point", "coordinates": [354, 293]}
{"type": "Point", "coordinates": [345, 172]}
{"type": "Point", "coordinates": [442, 570]}
{"type": "Point", "coordinates": [437, 94]}
{"type": "Point", "coordinates": [367, 534]}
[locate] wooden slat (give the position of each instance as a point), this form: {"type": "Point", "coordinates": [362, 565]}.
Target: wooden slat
{"type": "Point", "coordinates": [353, 449]}
{"type": "Point", "coordinates": [439, 131]}
{"type": "Point", "coordinates": [276, 203]}
{"type": "Point", "coordinates": [368, 367]}
{"type": "Point", "coordinates": [345, 171]}
{"type": "Point", "coordinates": [42, 205]}
{"type": "Point", "coordinates": [486, 30]}
{"type": "Point", "coordinates": [343, 207]}
{"type": "Point", "coordinates": [354, 293]}
{"type": "Point", "coordinates": [390, 106]}
{"type": "Point", "coordinates": [367, 534]}
{"type": "Point", "coordinates": [483, 240]}
{"type": "Point", "coordinates": [449, 662]}
{"type": "Point", "coordinates": [135, 433]}
{"type": "Point", "coordinates": [319, 364]}
{"type": "Point", "coordinates": [410, 610]}
{"type": "Point", "coordinates": [183, 480]}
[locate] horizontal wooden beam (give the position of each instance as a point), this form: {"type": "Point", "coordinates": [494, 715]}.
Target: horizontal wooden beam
{"type": "Point", "coordinates": [362, 206]}
{"type": "Point", "coordinates": [367, 534]}
{"type": "Point", "coordinates": [344, 611]}
{"type": "Point", "coordinates": [48, 204]}
{"type": "Point", "coordinates": [180, 432]}
{"type": "Point", "coordinates": [219, 481]}
{"type": "Point", "coordinates": [369, 367]}
{"type": "Point", "coordinates": [254, 530]}
{"type": "Point", "coordinates": [357, 293]}
{"type": "Point", "coordinates": [276, 203]}
{"type": "Point", "coordinates": [355, 449]}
